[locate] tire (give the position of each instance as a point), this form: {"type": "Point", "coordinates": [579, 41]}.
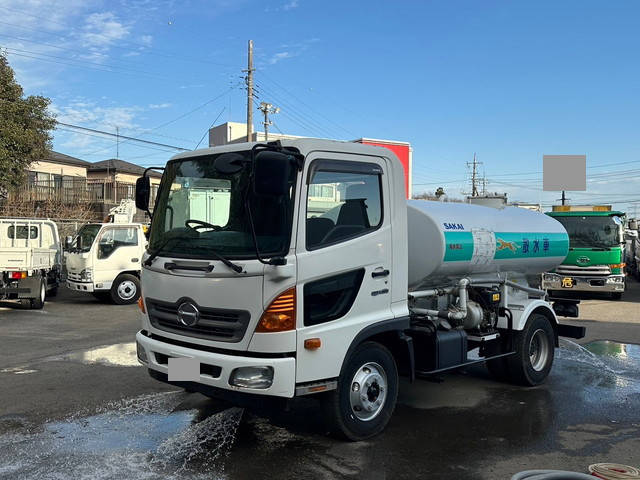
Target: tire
{"type": "Point", "coordinates": [125, 289]}
{"type": "Point", "coordinates": [356, 414]}
{"type": "Point", "coordinates": [534, 352]}
{"type": "Point", "coordinates": [38, 302]}
{"type": "Point", "coordinates": [616, 295]}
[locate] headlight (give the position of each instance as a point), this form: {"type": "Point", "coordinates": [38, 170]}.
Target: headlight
{"type": "Point", "coordinates": [616, 279]}
{"type": "Point", "coordinates": [548, 277]}
{"type": "Point", "coordinates": [252, 377]}
{"type": "Point", "coordinates": [86, 274]}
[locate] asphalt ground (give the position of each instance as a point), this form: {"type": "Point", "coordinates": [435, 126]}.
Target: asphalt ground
{"type": "Point", "coordinates": [74, 404]}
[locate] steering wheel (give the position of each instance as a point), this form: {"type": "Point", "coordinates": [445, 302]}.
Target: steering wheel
{"type": "Point", "coordinates": [201, 224]}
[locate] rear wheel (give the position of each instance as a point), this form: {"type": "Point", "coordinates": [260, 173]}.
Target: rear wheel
{"type": "Point", "coordinates": [125, 289]}
{"type": "Point", "coordinates": [38, 302]}
{"type": "Point", "coordinates": [534, 351]}
{"type": "Point", "coordinates": [366, 396]}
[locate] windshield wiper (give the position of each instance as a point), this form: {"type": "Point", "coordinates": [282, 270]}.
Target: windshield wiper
{"type": "Point", "coordinates": [152, 256]}
{"type": "Point", "coordinates": [233, 266]}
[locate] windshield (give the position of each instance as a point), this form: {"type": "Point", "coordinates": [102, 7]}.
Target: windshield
{"type": "Point", "coordinates": [85, 237]}
{"type": "Point", "coordinates": [591, 232]}
{"type": "Point", "coordinates": [200, 210]}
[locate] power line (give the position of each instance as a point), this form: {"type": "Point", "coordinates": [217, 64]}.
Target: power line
{"type": "Point", "coordinates": [118, 136]}
{"type": "Point", "coordinates": [207, 130]}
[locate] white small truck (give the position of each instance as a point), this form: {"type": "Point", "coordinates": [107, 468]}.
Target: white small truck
{"type": "Point", "coordinates": [30, 255]}
{"type": "Point", "coordinates": [104, 258]}
{"type": "Point", "coordinates": [318, 277]}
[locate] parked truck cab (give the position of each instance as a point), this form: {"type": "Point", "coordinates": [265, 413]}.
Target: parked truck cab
{"type": "Point", "coordinates": [104, 259]}
{"type": "Point", "coordinates": [309, 279]}
{"type": "Point", "coordinates": [595, 263]}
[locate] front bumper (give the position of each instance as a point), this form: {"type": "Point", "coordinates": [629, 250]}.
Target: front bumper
{"type": "Point", "coordinates": [610, 283]}
{"type": "Point", "coordinates": [80, 286]}
{"type": "Point", "coordinates": [284, 369]}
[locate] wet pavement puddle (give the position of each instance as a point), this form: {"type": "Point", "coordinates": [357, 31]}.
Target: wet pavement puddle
{"type": "Point", "coordinates": [119, 354]}
{"type": "Point", "coordinates": [140, 438]}
{"type": "Point", "coordinates": [172, 436]}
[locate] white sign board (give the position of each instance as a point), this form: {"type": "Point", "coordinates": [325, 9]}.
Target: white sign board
{"type": "Point", "coordinates": [564, 172]}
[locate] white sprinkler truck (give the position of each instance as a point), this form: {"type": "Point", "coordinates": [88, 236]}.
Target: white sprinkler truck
{"type": "Point", "coordinates": [30, 256]}
{"type": "Point", "coordinates": [104, 258]}
{"type": "Point", "coordinates": [322, 279]}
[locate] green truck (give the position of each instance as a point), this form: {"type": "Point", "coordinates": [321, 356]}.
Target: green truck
{"type": "Point", "coordinates": [595, 262]}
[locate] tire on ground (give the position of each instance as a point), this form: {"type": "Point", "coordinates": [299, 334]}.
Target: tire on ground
{"type": "Point", "coordinates": [37, 303]}
{"type": "Point", "coordinates": [345, 414]}
{"type": "Point", "coordinates": [534, 351]}
{"type": "Point", "coordinates": [125, 289]}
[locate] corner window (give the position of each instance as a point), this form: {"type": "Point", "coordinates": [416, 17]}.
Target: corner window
{"type": "Point", "coordinates": [114, 238]}
{"type": "Point", "coordinates": [342, 204]}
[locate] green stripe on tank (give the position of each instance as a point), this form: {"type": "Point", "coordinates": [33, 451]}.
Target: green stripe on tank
{"type": "Point", "coordinates": [530, 245]}
{"type": "Point", "coordinates": [458, 246]}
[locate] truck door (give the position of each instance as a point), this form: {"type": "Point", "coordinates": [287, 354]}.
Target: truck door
{"type": "Point", "coordinates": [344, 257]}
{"type": "Point", "coordinates": [117, 251]}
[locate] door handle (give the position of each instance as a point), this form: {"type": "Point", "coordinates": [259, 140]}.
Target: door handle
{"type": "Point", "coordinates": [199, 268]}
{"type": "Point", "coordinates": [380, 273]}
{"type": "Point", "coordinates": [134, 260]}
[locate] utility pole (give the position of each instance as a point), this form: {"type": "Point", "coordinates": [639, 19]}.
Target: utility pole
{"type": "Point", "coordinates": [117, 143]}
{"type": "Point", "coordinates": [474, 175]}
{"type": "Point", "coordinates": [266, 109]}
{"type": "Point", "coordinates": [249, 80]}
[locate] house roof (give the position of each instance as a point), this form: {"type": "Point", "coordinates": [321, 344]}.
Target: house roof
{"type": "Point", "coordinates": [63, 159]}
{"type": "Point", "coordinates": [120, 166]}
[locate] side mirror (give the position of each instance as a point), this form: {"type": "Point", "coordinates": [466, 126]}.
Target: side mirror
{"type": "Point", "coordinates": [143, 192]}
{"type": "Point", "coordinates": [67, 242]}
{"type": "Point", "coordinates": [271, 173]}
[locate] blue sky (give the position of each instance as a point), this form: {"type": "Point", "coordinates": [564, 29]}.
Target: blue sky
{"type": "Point", "coordinates": [510, 81]}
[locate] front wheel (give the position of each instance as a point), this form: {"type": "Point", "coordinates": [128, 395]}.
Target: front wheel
{"type": "Point", "coordinates": [125, 289]}
{"type": "Point", "coordinates": [534, 351]}
{"type": "Point", "coordinates": [616, 296]}
{"type": "Point", "coordinates": [366, 396]}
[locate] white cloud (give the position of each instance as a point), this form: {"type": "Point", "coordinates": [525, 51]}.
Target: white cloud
{"type": "Point", "coordinates": [102, 30]}
{"type": "Point", "coordinates": [290, 5]}
{"type": "Point", "coordinates": [155, 106]}
{"type": "Point", "coordinates": [279, 56]}
{"type": "Point", "coordinates": [87, 113]}
{"type": "Point", "coordinates": [146, 40]}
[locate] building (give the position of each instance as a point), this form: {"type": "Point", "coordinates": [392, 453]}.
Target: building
{"type": "Point", "coordinates": [236, 132]}
{"type": "Point", "coordinates": [112, 180]}
{"type": "Point", "coordinates": [58, 176]}
{"type": "Point", "coordinates": [494, 200]}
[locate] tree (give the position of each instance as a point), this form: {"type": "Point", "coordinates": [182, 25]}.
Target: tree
{"type": "Point", "coordinates": [25, 126]}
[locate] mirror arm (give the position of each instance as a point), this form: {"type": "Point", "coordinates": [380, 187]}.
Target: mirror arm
{"type": "Point", "coordinates": [144, 175]}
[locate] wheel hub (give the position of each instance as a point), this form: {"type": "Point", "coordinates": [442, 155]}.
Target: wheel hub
{"type": "Point", "coordinates": [539, 349]}
{"type": "Point", "coordinates": [126, 290]}
{"type": "Point", "coordinates": [368, 391]}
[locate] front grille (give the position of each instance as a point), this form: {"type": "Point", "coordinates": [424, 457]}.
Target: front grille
{"type": "Point", "coordinates": [222, 325]}
{"type": "Point", "coordinates": [594, 270]}
{"type": "Point", "coordinates": [75, 277]}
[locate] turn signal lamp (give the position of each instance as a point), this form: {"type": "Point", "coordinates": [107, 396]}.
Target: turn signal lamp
{"type": "Point", "coordinates": [280, 316]}
{"type": "Point", "coordinates": [141, 304]}
{"type": "Point", "coordinates": [17, 275]}
{"type": "Point", "coordinates": [617, 265]}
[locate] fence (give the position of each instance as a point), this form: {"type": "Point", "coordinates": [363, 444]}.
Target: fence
{"type": "Point", "coordinates": [75, 190]}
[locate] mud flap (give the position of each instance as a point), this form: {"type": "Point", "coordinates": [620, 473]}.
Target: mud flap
{"type": "Point", "coordinates": [571, 331]}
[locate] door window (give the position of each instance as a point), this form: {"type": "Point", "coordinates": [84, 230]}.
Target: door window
{"type": "Point", "coordinates": [115, 238]}
{"type": "Point", "coordinates": [342, 205]}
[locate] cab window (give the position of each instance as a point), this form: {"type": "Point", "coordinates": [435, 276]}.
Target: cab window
{"type": "Point", "coordinates": [115, 238]}
{"type": "Point", "coordinates": [342, 204]}
{"type": "Point", "coordinates": [21, 232]}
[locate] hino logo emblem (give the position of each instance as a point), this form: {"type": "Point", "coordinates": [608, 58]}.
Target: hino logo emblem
{"type": "Point", "coordinates": [188, 314]}
{"type": "Point", "coordinates": [583, 259]}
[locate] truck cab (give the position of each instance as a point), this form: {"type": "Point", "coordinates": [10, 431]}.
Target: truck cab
{"type": "Point", "coordinates": [104, 259]}
{"type": "Point", "coordinates": [595, 262]}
